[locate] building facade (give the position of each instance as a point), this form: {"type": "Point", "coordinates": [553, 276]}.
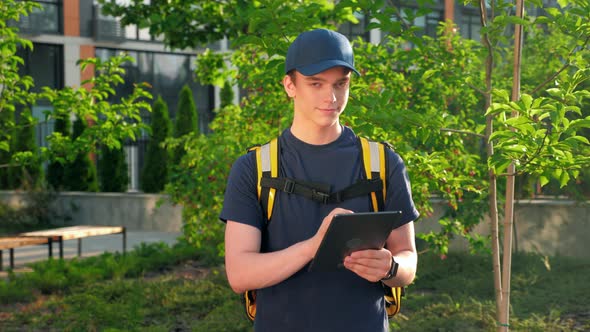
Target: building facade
{"type": "Point", "coordinates": [64, 31]}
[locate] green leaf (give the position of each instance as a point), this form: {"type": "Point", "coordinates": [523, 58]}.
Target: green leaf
{"type": "Point", "coordinates": [563, 3]}
{"type": "Point", "coordinates": [527, 100]}
{"type": "Point", "coordinates": [543, 180]}
{"type": "Point", "coordinates": [428, 73]}
{"type": "Point", "coordinates": [4, 145]}
{"type": "Point", "coordinates": [515, 20]}
{"type": "Point", "coordinates": [564, 179]}
{"type": "Point", "coordinates": [501, 94]}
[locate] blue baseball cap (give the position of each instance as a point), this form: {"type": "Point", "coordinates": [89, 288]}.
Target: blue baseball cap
{"type": "Point", "coordinates": [314, 51]}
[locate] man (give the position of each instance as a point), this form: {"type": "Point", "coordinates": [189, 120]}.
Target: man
{"type": "Point", "coordinates": [273, 258]}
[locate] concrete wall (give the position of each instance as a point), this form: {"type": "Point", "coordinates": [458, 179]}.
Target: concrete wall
{"type": "Point", "coordinates": [549, 227]}
{"type": "Point", "coordinates": [134, 211]}
{"type": "Point", "coordinates": [544, 226]}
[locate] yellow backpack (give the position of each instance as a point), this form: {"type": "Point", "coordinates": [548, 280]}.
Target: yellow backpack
{"type": "Point", "coordinates": [374, 162]}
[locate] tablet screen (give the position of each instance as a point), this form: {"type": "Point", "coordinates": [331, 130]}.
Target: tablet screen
{"type": "Point", "coordinates": [352, 232]}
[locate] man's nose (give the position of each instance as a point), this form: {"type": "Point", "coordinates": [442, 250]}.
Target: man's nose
{"type": "Point", "coordinates": [331, 95]}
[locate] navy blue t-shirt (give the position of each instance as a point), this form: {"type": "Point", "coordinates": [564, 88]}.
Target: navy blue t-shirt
{"type": "Point", "coordinates": [314, 301]}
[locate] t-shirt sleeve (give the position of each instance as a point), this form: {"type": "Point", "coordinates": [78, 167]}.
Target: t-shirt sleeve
{"type": "Point", "coordinates": [399, 190]}
{"type": "Point", "coordinates": [240, 202]}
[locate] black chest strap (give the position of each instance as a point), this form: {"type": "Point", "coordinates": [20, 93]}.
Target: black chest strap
{"type": "Point", "coordinates": [320, 192]}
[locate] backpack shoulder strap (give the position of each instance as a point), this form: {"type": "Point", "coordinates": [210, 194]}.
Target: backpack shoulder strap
{"type": "Point", "coordinates": [267, 165]}
{"type": "Point", "coordinates": [375, 166]}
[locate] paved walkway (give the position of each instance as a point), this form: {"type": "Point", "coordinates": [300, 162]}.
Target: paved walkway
{"type": "Point", "coordinates": [91, 246]}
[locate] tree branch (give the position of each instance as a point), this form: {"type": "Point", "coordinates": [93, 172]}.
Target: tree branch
{"type": "Point", "coordinates": [564, 67]}
{"type": "Point", "coordinates": [459, 131]}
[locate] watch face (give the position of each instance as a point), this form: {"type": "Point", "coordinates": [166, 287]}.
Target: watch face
{"type": "Point", "coordinates": [393, 270]}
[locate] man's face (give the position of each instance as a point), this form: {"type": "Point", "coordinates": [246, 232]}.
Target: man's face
{"type": "Point", "coordinates": [319, 99]}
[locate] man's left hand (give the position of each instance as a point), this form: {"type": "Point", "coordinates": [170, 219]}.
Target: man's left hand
{"type": "Point", "coordinates": [372, 265]}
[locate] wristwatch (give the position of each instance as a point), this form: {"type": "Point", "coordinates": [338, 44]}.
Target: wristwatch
{"type": "Point", "coordinates": [392, 271]}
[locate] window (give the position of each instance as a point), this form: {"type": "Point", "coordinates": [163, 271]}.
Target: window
{"type": "Point", "coordinates": [109, 27]}
{"type": "Point", "coordinates": [46, 19]}
{"type": "Point", "coordinates": [470, 24]}
{"type": "Point", "coordinates": [45, 65]}
{"type": "Point", "coordinates": [353, 31]}
{"type": "Point", "coordinates": [428, 22]}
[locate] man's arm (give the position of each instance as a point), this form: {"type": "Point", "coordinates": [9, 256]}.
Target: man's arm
{"type": "Point", "coordinates": [374, 265]}
{"type": "Point", "coordinates": [402, 245]}
{"type": "Point", "coordinates": [247, 268]}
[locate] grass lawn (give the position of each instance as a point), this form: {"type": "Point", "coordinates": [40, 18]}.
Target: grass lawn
{"type": "Point", "coordinates": [158, 288]}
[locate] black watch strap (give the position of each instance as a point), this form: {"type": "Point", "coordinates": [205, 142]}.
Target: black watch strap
{"type": "Point", "coordinates": [392, 271]}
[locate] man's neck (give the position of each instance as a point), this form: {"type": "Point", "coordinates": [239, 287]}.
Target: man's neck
{"type": "Point", "coordinates": [317, 136]}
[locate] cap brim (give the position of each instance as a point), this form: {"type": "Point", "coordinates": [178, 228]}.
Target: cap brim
{"type": "Point", "coordinates": [316, 68]}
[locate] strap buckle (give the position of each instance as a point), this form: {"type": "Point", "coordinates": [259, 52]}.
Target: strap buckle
{"type": "Point", "coordinates": [320, 196]}
{"type": "Point", "coordinates": [289, 186]}
{"type": "Point", "coordinates": [336, 197]}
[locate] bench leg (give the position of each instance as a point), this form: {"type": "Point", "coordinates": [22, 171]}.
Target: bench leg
{"type": "Point", "coordinates": [79, 247]}
{"type": "Point", "coordinates": [124, 240]}
{"type": "Point", "coordinates": [1, 263]}
{"type": "Point", "coordinates": [50, 245]}
{"type": "Point", "coordinates": [50, 248]}
{"type": "Point", "coordinates": [61, 247]}
{"type": "Point", "coordinates": [12, 258]}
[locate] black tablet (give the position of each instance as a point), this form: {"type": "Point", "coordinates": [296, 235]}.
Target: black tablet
{"type": "Point", "coordinates": [352, 232]}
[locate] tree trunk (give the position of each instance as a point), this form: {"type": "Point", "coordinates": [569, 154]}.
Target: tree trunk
{"type": "Point", "coordinates": [493, 194]}
{"type": "Point", "coordinates": [504, 314]}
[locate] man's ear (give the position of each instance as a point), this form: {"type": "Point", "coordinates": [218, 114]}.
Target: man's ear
{"type": "Point", "coordinates": [289, 86]}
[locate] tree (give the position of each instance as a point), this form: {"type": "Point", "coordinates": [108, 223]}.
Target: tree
{"type": "Point", "coordinates": [112, 168]}
{"type": "Point", "coordinates": [155, 171]}
{"type": "Point", "coordinates": [56, 169]}
{"type": "Point", "coordinates": [80, 174]}
{"type": "Point", "coordinates": [186, 121]}
{"type": "Point", "coordinates": [28, 174]}
{"type": "Point", "coordinates": [226, 94]}
{"type": "Point", "coordinates": [14, 89]}
{"type": "Point", "coordinates": [6, 118]}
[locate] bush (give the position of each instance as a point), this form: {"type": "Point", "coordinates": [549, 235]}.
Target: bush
{"type": "Point", "coordinates": [155, 172]}
{"type": "Point", "coordinates": [56, 169]}
{"type": "Point", "coordinates": [80, 174]}
{"type": "Point", "coordinates": [6, 117]}
{"type": "Point", "coordinates": [113, 170]}
{"type": "Point", "coordinates": [185, 122]}
{"type": "Point", "coordinates": [226, 95]}
{"type": "Point", "coordinates": [29, 174]}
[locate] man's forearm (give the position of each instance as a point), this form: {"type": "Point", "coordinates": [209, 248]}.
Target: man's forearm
{"type": "Point", "coordinates": [254, 270]}
{"type": "Point", "coordinates": [406, 271]}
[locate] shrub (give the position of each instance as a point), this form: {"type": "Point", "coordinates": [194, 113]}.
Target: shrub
{"type": "Point", "coordinates": [6, 117]}
{"type": "Point", "coordinates": [227, 94]}
{"type": "Point", "coordinates": [186, 121]}
{"type": "Point", "coordinates": [56, 169]}
{"type": "Point", "coordinates": [113, 170]}
{"type": "Point", "coordinates": [155, 172]}
{"type": "Point", "coordinates": [80, 174]}
{"type": "Point", "coordinates": [29, 174]}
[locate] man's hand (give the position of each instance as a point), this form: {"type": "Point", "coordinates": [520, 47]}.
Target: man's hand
{"type": "Point", "coordinates": [372, 265]}
{"type": "Point", "coordinates": [319, 236]}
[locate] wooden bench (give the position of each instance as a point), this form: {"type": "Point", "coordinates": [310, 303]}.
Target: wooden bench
{"type": "Point", "coordinates": [12, 242]}
{"type": "Point", "coordinates": [77, 232]}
